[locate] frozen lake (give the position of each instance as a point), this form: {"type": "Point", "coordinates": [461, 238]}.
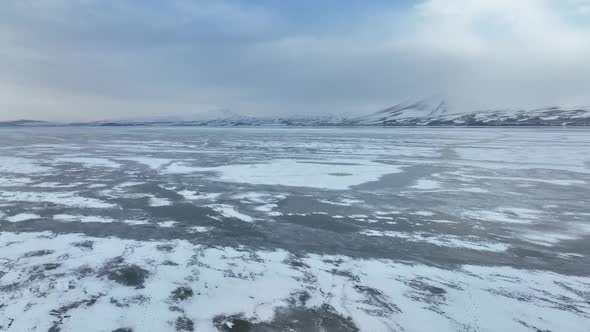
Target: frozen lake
{"type": "Point", "coordinates": [265, 229]}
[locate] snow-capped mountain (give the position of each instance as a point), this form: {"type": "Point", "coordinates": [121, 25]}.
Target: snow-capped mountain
{"type": "Point", "coordinates": [437, 114]}
{"type": "Point", "coordinates": [428, 112]}
{"type": "Point", "coordinates": [552, 116]}
{"type": "Point", "coordinates": [418, 113]}
{"type": "Point", "coordinates": [423, 109]}
{"type": "Point", "coordinates": [227, 119]}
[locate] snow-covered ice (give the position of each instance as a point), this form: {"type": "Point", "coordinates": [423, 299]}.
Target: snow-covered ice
{"type": "Point", "coordinates": [156, 284]}
{"type": "Point", "coordinates": [159, 201]}
{"type": "Point", "coordinates": [83, 219]}
{"type": "Point", "coordinates": [425, 184]}
{"type": "Point", "coordinates": [22, 217]}
{"type": "Point", "coordinates": [230, 212]}
{"type": "Point", "coordinates": [323, 229]}
{"type": "Point", "coordinates": [195, 195]}
{"type": "Point", "coordinates": [61, 198]}
{"type": "Point", "coordinates": [21, 165]}
{"type": "Point", "coordinates": [89, 161]}
{"type": "Point", "coordinates": [333, 174]}
{"type": "Point", "coordinates": [441, 240]}
{"type": "Point", "coordinates": [153, 163]}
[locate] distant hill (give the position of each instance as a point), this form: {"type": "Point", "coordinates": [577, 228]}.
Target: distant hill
{"type": "Point", "coordinates": [418, 113]}
{"type": "Point", "coordinates": [422, 114]}
{"type": "Point", "coordinates": [26, 123]}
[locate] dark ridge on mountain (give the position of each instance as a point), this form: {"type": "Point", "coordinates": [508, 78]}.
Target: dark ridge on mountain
{"type": "Point", "coordinates": [423, 114]}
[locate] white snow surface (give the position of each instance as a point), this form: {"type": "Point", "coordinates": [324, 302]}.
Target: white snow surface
{"type": "Point", "coordinates": [506, 215]}
{"type": "Point", "coordinates": [410, 297]}
{"type": "Point", "coordinates": [159, 201]}
{"type": "Point", "coordinates": [151, 162]}
{"type": "Point", "coordinates": [89, 161]}
{"type": "Point", "coordinates": [195, 195]}
{"type": "Point", "coordinates": [82, 219]}
{"type": "Point", "coordinates": [425, 184]}
{"type": "Point", "coordinates": [21, 165]}
{"type": "Point", "coordinates": [61, 198]}
{"type": "Point", "coordinates": [230, 212]}
{"type": "Point", "coordinates": [441, 240]}
{"type": "Point", "coordinates": [167, 224]}
{"type": "Point", "coordinates": [327, 174]}
{"type": "Point", "coordinates": [14, 182]}
{"type": "Point", "coordinates": [22, 217]}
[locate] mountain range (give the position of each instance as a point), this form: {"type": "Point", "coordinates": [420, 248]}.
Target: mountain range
{"type": "Point", "coordinates": [417, 113]}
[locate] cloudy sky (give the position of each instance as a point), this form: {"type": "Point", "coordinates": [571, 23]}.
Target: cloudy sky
{"type": "Point", "coordinates": [71, 60]}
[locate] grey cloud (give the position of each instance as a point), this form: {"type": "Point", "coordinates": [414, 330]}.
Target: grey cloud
{"type": "Point", "coordinates": [79, 60]}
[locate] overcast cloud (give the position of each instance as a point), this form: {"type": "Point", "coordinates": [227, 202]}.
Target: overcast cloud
{"type": "Point", "coordinates": [70, 60]}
